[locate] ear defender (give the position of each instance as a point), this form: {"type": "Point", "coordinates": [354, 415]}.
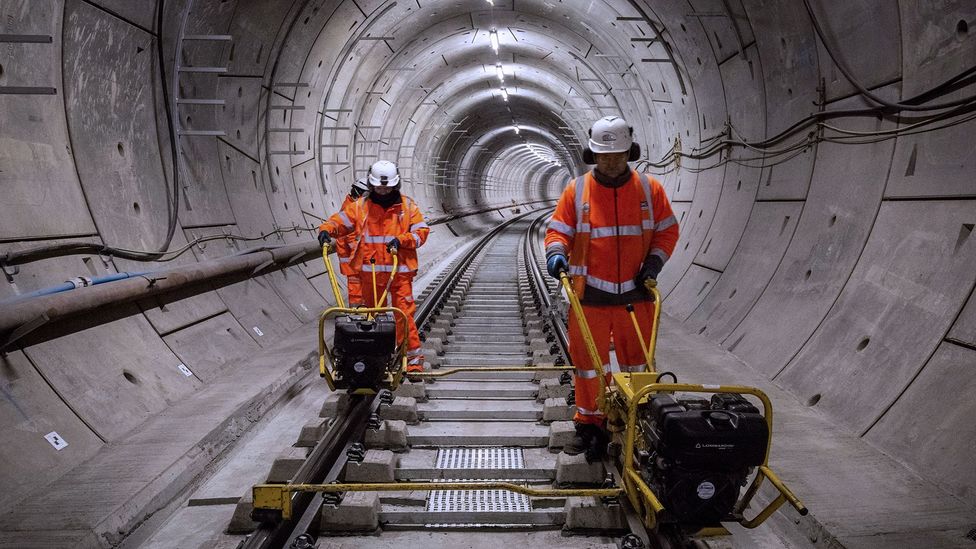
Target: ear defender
{"type": "Point", "coordinates": [588, 156]}
{"type": "Point", "coordinates": [635, 153]}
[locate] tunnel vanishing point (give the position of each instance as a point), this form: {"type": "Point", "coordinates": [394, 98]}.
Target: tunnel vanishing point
{"type": "Point", "coordinates": [172, 160]}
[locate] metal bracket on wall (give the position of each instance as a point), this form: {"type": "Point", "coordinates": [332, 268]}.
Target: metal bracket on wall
{"type": "Point", "coordinates": [23, 330]}
{"type": "Point", "coordinates": [9, 271]}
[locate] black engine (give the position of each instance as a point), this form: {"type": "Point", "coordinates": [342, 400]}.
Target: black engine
{"type": "Point", "coordinates": [364, 350]}
{"type": "Point", "coordinates": [699, 454]}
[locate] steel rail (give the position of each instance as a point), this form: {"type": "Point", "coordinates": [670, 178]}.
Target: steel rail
{"type": "Point", "coordinates": [328, 458]}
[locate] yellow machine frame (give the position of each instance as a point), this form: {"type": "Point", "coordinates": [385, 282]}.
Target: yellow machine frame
{"type": "Point", "coordinates": [392, 379]}
{"type": "Point", "coordinates": [619, 402]}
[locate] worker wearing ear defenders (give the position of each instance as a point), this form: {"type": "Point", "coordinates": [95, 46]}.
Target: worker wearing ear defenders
{"type": "Point", "coordinates": [613, 230]}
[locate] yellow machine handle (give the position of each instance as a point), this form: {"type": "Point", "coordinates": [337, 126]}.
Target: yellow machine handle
{"type": "Point", "coordinates": [651, 347]}
{"type": "Point", "coordinates": [389, 281]}
{"type": "Point", "coordinates": [587, 338]}
{"type": "Point", "coordinates": [326, 250]}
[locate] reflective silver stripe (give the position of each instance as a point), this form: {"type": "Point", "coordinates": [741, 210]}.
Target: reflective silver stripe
{"type": "Point", "coordinates": [578, 270]}
{"type": "Point", "coordinates": [420, 225]}
{"type": "Point", "coordinates": [385, 269]}
{"type": "Point", "coordinates": [556, 247]}
{"type": "Point", "coordinates": [563, 228]}
{"type": "Point", "coordinates": [587, 412]}
{"type": "Point", "coordinates": [647, 225]}
{"type": "Point", "coordinates": [616, 230]}
{"type": "Point", "coordinates": [638, 368]}
{"type": "Point", "coordinates": [382, 239]}
{"type": "Point", "coordinates": [416, 239]}
{"type": "Point", "coordinates": [345, 220]}
{"type": "Point", "coordinates": [666, 223]}
{"type": "Point", "coordinates": [610, 287]}
{"type": "Point", "coordinates": [646, 186]}
{"type": "Point", "coordinates": [580, 188]}
{"type": "Point", "coordinates": [345, 259]}
{"type": "Point", "coordinates": [586, 374]}
{"type": "Point", "coordinates": [660, 253]}
{"type": "Point", "coordinates": [419, 360]}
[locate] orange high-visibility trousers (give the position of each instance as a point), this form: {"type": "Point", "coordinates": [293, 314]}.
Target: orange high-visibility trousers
{"type": "Point", "coordinates": [401, 295]}
{"type": "Point", "coordinates": [606, 321]}
{"type": "Point", "coordinates": [354, 290]}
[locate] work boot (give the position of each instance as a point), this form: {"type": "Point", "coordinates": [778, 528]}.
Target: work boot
{"type": "Point", "coordinates": [583, 440]}
{"type": "Point", "coordinates": [598, 447]}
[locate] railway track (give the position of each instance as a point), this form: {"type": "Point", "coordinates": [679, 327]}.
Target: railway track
{"type": "Point", "coordinates": [487, 310]}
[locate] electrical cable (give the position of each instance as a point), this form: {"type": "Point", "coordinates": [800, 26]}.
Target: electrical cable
{"type": "Point", "coordinates": [831, 51]}
{"type": "Point", "coordinates": [174, 205]}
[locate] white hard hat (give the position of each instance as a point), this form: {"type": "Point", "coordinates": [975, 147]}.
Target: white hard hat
{"type": "Point", "coordinates": [384, 174]}
{"type": "Point", "coordinates": [361, 184]}
{"type": "Point", "coordinates": [611, 134]}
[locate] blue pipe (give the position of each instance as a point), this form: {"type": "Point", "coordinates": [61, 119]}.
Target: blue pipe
{"type": "Point", "coordinates": [79, 282]}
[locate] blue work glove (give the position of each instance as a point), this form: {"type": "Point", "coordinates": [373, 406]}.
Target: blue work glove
{"type": "Point", "coordinates": [324, 238]}
{"type": "Point", "coordinates": [393, 246]}
{"type": "Point", "coordinates": [649, 270]}
{"type": "Point", "coordinates": [556, 264]}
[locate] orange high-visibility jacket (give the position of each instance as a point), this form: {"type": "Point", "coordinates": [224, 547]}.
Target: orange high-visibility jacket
{"type": "Point", "coordinates": [606, 233]}
{"type": "Point", "coordinates": [375, 227]}
{"type": "Point", "coordinates": [346, 245]}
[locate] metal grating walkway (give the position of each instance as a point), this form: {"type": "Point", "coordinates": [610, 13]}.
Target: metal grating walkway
{"type": "Point", "coordinates": [478, 501]}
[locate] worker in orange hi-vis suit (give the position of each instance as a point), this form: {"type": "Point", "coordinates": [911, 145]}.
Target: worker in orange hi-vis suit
{"type": "Point", "coordinates": [613, 229]}
{"type": "Point", "coordinates": [346, 245]}
{"type": "Point", "coordinates": [386, 222]}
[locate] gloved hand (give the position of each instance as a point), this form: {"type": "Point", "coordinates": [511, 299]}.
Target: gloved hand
{"type": "Point", "coordinates": [325, 239]}
{"type": "Point", "coordinates": [649, 270]}
{"type": "Point", "coordinates": [393, 246]}
{"type": "Point", "coordinates": [556, 264]}
{"type": "Point", "coordinates": [356, 192]}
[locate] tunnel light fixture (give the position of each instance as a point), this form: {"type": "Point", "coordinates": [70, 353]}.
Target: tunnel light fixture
{"type": "Point", "coordinates": [493, 37]}
{"type": "Point", "coordinates": [500, 72]}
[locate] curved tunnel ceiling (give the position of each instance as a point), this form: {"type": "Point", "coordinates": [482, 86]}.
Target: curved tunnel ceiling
{"type": "Point", "coordinates": [825, 220]}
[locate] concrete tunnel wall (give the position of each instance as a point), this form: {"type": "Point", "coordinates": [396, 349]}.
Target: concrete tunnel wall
{"type": "Point", "coordinates": [843, 272]}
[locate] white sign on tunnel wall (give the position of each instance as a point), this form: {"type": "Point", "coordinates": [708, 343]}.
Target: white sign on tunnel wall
{"type": "Point", "coordinates": [55, 439]}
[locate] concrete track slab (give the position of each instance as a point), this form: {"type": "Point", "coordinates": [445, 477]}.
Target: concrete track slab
{"type": "Point", "coordinates": [493, 433]}
{"type": "Point", "coordinates": [481, 389]}
{"type": "Point", "coordinates": [469, 540]}
{"type": "Point", "coordinates": [480, 409]}
{"type": "Point", "coordinates": [852, 489]}
{"type": "Point", "coordinates": [125, 483]}
{"type": "Point", "coordinates": [194, 528]}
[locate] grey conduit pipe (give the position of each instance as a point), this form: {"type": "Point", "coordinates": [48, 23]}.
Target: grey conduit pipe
{"type": "Point", "coordinates": [18, 319]}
